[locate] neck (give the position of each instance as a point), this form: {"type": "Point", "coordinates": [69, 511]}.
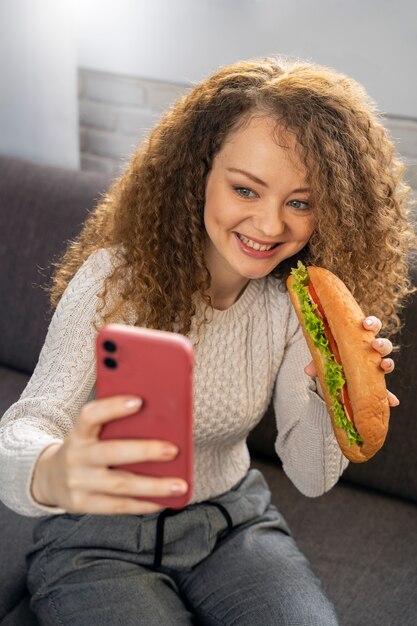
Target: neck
{"type": "Point", "coordinates": [226, 286]}
{"type": "Point", "coordinates": [222, 301]}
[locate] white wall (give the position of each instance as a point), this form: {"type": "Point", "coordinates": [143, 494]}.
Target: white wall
{"type": "Point", "coordinates": [43, 41]}
{"type": "Point", "coordinates": [184, 40]}
{"type": "Point", "coordinates": [38, 82]}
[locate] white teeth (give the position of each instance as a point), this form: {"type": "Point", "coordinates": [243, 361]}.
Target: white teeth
{"type": "Point", "coordinates": [253, 244]}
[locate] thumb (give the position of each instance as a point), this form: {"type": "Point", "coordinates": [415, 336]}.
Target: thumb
{"type": "Point", "coordinates": [311, 370]}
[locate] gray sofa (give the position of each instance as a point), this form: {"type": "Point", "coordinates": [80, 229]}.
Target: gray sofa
{"type": "Point", "coordinates": [361, 537]}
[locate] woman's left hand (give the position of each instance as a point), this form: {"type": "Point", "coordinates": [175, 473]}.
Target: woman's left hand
{"type": "Point", "coordinates": [382, 346]}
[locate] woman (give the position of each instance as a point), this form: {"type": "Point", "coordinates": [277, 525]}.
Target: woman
{"type": "Point", "coordinates": [258, 166]}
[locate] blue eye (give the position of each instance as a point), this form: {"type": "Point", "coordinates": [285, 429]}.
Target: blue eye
{"type": "Point", "coordinates": [244, 192]}
{"type": "Point", "coordinates": [299, 204]}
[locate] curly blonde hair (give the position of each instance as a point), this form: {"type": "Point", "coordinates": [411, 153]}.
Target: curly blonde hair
{"type": "Point", "coordinates": [153, 213]}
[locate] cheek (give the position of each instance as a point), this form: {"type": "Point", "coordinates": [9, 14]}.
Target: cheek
{"type": "Point", "coordinates": [209, 213]}
{"type": "Point", "coordinates": [219, 211]}
{"type": "Point", "coordinates": [307, 228]}
{"type": "Point", "coordinates": [211, 217]}
{"type": "Point", "coordinates": [211, 200]}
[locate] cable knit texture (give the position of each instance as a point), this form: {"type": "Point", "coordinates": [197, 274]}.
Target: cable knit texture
{"type": "Point", "coordinates": [250, 352]}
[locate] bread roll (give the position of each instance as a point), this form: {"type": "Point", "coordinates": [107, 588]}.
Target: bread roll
{"type": "Point", "coordinates": [364, 377]}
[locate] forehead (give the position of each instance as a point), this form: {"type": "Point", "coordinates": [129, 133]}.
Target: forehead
{"type": "Point", "coordinates": [261, 141]}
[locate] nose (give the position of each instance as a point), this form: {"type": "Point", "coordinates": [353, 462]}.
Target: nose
{"type": "Point", "coordinates": [270, 222]}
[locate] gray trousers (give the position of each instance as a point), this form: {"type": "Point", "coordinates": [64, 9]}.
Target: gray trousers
{"type": "Point", "coordinates": [227, 561]}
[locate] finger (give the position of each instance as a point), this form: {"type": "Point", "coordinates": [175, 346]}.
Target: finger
{"type": "Point", "coordinates": [100, 504]}
{"type": "Point", "coordinates": [98, 412]}
{"type": "Point", "coordinates": [120, 452]}
{"type": "Point", "coordinates": [311, 370]}
{"type": "Point", "coordinates": [120, 483]}
{"type": "Point", "coordinates": [392, 399]}
{"type": "Point", "coordinates": [372, 323]}
{"type": "Point", "coordinates": [383, 346]}
{"type": "Point", "coordinates": [387, 365]}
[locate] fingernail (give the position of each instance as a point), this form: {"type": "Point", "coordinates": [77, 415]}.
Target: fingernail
{"type": "Point", "coordinates": [169, 451]}
{"type": "Point", "coordinates": [379, 343]}
{"type": "Point", "coordinates": [178, 488]}
{"type": "Point", "coordinates": [369, 321]}
{"type": "Point", "coordinates": [395, 399]}
{"type": "Point", "coordinates": [133, 403]}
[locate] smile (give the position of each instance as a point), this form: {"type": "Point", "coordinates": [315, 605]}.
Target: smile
{"type": "Point", "coordinates": [254, 249]}
{"type": "Point", "coordinates": [255, 245]}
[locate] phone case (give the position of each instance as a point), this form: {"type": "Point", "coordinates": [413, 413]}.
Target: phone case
{"type": "Point", "coordinates": [156, 366]}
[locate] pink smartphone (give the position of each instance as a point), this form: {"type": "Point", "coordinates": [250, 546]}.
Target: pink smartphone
{"type": "Point", "coordinates": [156, 366]}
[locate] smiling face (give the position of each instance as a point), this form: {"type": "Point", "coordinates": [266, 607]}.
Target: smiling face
{"type": "Point", "coordinates": [256, 197]}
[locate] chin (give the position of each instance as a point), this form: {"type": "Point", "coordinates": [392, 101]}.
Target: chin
{"type": "Point", "coordinates": [256, 275]}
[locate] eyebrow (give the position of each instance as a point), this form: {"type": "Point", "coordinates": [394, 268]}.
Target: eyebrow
{"type": "Point", "coordinates": [261, 182]}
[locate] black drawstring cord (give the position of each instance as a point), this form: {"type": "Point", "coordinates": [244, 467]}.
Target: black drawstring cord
{"type": "Point", "coordinates": [225, 512]}
{"type": "Point", "coordinates": [159, 540]}
{"type": "Point", "coordinates": [160, 526]}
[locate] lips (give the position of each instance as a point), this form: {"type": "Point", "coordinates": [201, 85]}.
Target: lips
{"type": "Point", "coordinates": [254, 245]}
{"type": "Point", "coordinates": [256, 254]}
{"type": "Point", "coordinates": [261, 243]}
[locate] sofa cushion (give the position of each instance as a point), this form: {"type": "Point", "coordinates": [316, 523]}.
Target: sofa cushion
{"type": "Point", "coordinates": [394, 468]}
{"type": "Point", "coordinates": [12, 385]}
{"type": "Point", "coordinates": [16, 534]}
{"type": "Point", "coordinates": [41, 207]}
{"type": "Point", "coordinates": [359, 543]}
{"type": "Point", "coordinates": [15, 530]}
{"type": "Point", "coordinates": [21, 614]}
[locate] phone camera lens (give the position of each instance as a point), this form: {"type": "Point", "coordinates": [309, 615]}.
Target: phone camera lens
{"type": "Point", "coordinates": [110, 363]}
{"type": "Point", "coordinates": [110, 346]}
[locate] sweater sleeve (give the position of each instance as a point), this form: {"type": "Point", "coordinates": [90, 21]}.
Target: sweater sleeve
{"type": "Point", "coordinates": [60, 385]}
{"type": "Point", "coordinates": [306, 443]}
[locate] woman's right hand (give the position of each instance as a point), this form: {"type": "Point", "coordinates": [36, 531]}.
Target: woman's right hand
{"type": "Point", "coordinates": [76, 476]}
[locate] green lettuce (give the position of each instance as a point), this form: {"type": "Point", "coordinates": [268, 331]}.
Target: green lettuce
{"type": "Point", "coordinates": [333, 372]}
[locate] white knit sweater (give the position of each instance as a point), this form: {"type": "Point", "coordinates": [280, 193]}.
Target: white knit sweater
{"type": "Point", "coordinates": [250, 351]}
